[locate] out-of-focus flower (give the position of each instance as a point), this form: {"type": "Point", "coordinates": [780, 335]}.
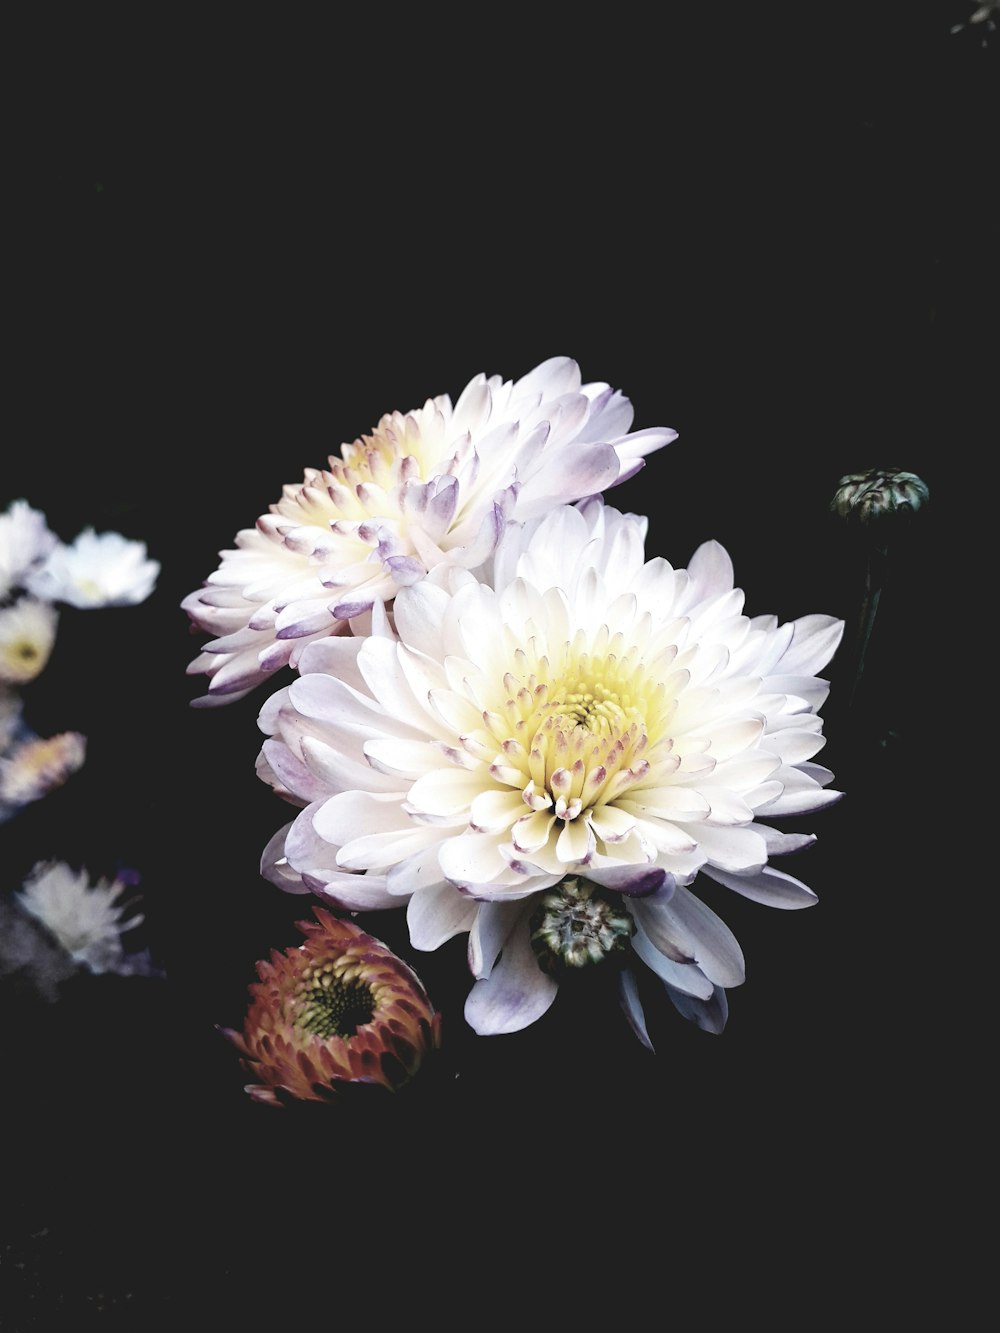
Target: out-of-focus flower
{"type": "Point", "coordinates": [431, 487]}
{"type": "Point", "coordinates": [591, 714]}
{"type": "Point", "coordinates": [96, 570]}
{"type": "Point", "coordinates": [33, 767]}
{"type": "Point", "coordinates": [25, 540]}
{"type": "Point", "coordinates": [339, 1009]}
{"type": "Point", "coordinates": [874, 497]}
{"type": "Point", "coordinates": [27, 635]}
{"type": "Point", "coordinates": [983, 13]}
{"type": "Point", "coordinates": [87, 919]}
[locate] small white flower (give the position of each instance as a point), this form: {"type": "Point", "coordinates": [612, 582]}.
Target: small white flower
{"type": "Point", "coordinates": [25, 540]}
{"type": "Point", "coordinates": [96, 570]}
{"type": "Point", "coordinates": [27, 635]}
{"type": "Point", "coordinates": [584, 713]}
{"type": "Point", "coordinates": [430, 487]}
{"type": "Point", "coordinates": [86, 919]}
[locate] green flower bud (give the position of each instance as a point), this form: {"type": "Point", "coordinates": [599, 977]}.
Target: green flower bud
{"type": "Point", "coordinates": [871, 497]}
{"type": "Point", "coordinates": [576, 924]}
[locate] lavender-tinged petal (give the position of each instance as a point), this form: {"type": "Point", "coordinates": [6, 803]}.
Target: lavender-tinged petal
{"type": "Point", "coordinates": [628, 991]}
{"type": "Point", "coordinates": [515, 994]}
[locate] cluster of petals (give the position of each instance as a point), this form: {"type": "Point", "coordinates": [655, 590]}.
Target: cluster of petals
{"type": "Point", "coordinates": [340, 1009]}
{"type": "Point", "coordinates": [428, 488]}
{"type": "Point", "coordinates": [570, 709]}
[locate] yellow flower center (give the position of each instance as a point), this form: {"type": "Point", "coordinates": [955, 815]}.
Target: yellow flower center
{"type": "Point", "coordinates": [333, 1001]}
{"type": "Point", "coordinates": [576, 732]}
{"type": "Point", "coordinates": [362, 483]}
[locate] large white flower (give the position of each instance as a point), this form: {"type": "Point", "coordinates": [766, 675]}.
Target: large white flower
{"type": "Point", "coordinates": [429, 487]}
{"type": "Point", "coordinates": [25, 540]}
{"type": "Point", "coordinates": [581, 713]}
{"type": "Point", "coordinates": [96, 570]}
{"type": "Point", "coordinates": [87, 919]}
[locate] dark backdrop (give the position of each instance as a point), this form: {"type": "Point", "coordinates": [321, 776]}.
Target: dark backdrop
{"type": "Point", "coordinates": [772, 236]}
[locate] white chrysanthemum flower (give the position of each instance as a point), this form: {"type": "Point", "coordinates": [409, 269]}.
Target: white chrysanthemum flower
{"type": "Point", "coordinates": [87, 919]}
{"type": "Point", "coordinates": [591, 714]}
{"type": "Point", "coordinates": [25, 540]}
{"type": "Point", "coordinates": [430, 487]}
{"type": "Point", "coordinates": [27, 635]}
{"type": "Point", "coordinates": [96, 570]}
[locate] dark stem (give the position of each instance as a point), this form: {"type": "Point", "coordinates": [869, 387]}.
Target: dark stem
{"type": "Point", "coordinates": [874, 579]}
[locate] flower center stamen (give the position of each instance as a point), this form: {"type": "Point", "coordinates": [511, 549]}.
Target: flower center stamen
{"type": "Point", "coordinates": [332, 1005]}
{"type": "Point", "coordinates": [576, 736]}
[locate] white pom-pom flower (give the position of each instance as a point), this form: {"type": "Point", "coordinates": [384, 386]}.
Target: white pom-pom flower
{"type": "Point", "coordinates": [429, 487]}
{"type": "Point", "coordinates": [582, 713]}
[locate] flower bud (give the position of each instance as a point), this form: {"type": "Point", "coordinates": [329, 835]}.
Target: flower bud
{"type": "Point", "coordinates": [340, 1009]}
{"type": "Point", "coordinates": [870, 497]}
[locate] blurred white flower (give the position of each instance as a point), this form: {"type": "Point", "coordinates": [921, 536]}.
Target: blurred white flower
{"type": "Point", "coordinates": [34, 766]}
{"type": "Point", "coordinates": [88, 920]}
{"type": "Point", "coordinates": [591, 714]}
{"type": "Point", "coordinates": [96, 570]}
{"type": "Point", "coordinates": [431, 487]}
{"type": "Point", "coordinates": [25, 540]}
{"type": "Point", "coordinates": [27, 634]}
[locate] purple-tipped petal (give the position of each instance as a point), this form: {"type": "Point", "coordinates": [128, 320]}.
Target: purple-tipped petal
{"type": "Point", "coordinates": [634, 881]}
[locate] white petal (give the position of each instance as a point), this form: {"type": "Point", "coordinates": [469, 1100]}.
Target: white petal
{"type": "Point", "coordinates": [494, 811]}
{"type": "Point", "coordinates": [437, 914]}
{"type": "Point", "coordinates": [732, 848]}
{"type": "Point", "coordinates": [685, 922]}
{"type": "Point", "coordinates": [515, 994]}
{"type": "Point", "coordinates": [472, 858]}
{"type": "Point", "coordinates": [494, 922]}
{"type": "Point", "coordinates": [814, 641]}
{"type": "Point", "coordinates": [687, 977]}
{"type": "Point", "coordinates": [448, 791]}
{"type": "Point", "coordinates": [769, 886]}
{"type": "Point", "coordinates": [349, 813]}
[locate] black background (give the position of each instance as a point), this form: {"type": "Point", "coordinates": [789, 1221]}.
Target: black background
{"type": "Point", "coordinates": [773, 234]}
